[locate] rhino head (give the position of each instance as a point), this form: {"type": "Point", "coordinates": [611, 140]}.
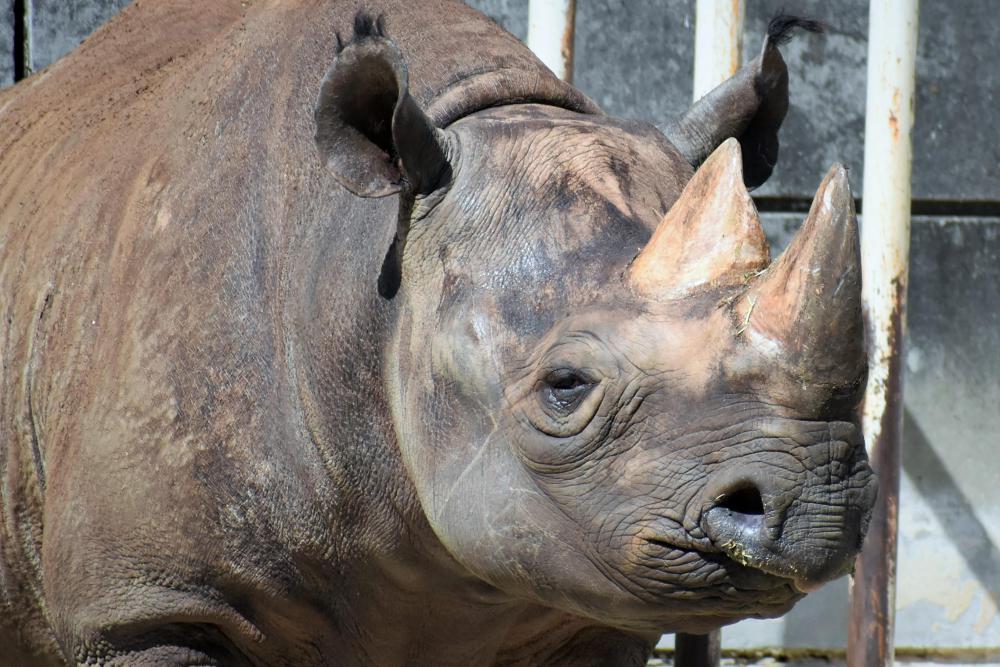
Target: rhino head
{"type": "Point", "coordinates": [608, 399]}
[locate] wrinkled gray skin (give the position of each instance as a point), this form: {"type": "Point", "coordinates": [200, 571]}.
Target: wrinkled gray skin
{"type": "Point", "coordinates": [395, 405]}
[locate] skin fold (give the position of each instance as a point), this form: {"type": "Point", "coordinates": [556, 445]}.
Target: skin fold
{"type": "Point", "coordinates": [328, 341]}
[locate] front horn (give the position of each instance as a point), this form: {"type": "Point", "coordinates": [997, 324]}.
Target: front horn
{"type": "Point", "coordinates": [711, 237]}
{"type": "Point", "coordinates": [807, 307]}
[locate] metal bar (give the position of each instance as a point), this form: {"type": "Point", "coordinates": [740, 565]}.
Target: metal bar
{"type": "Point", "coordinates": [551, 30]}
{"type": "Point", "coordinates": [718, 54]}
{"type": "Point", "coordinates": [885, 248]}
{"type": "Point", "coordinates": [22, 39]}
{"type": "Point", "coordinates": [718, 43]}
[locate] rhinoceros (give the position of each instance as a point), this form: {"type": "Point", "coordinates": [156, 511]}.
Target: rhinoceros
{"type": "Point", "coordinates": [362, 339]}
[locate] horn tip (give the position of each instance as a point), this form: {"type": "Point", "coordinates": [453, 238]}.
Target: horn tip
{"type": "Point", "coordinates": [838, 175]}
{"type": "Point", "coordinates": [835, 190]}
{"type": "Point", "coordinates": [731, 147]}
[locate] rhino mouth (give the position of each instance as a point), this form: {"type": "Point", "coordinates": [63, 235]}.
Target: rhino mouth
{"type": "Point", "coordinates": [807, 544]}
{"type": "Point", "coordinates": [756, 572]}
{"type": "Point", "coordinates": [739, 538]}
{"type": "Point", "coordinates": [716, 590]}
{"type": "Point", "coordinates": [757, 558]}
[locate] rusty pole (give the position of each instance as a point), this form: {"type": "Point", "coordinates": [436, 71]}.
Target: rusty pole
{"type": "Point", "coordinates": [885, 248]}
{"type": "Point", "coordinates": [23, 65]}
{"type": "Point", "coordinates": [551, 30]}
{"type": "Point", "coordinates": [718, 54]}
{"type": "Point", "coordinates": [698, 650]}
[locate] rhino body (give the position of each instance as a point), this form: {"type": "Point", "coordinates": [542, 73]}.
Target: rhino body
{"type": "Point", "coordinates": [278, 384]}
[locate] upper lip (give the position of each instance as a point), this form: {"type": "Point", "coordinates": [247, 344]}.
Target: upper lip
{"type": "Point", "coordinates": [772, 577]}
{"type": "Point", "coordinates": [742, 538]}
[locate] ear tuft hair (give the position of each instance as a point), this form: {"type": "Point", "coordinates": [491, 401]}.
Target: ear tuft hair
{"type": "Point", "coordinates": [367, 25]}
{"type": "Point", "coordinates": [781, 27]}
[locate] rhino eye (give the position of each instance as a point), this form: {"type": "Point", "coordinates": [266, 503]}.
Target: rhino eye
{"type": "Point", "coordinates": [565, 389]}
{"type": "Point", "coordinates": [564, 401]}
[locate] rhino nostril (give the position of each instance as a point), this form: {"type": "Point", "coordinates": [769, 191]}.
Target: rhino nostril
{"type": "Point", "coordinates": [746, 500]}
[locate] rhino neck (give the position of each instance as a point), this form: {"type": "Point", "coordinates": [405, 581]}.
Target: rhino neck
{"type": "Point", "coordinates": [459, 62]}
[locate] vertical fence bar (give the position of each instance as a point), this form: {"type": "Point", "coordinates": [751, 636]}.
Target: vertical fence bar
{"type": "Point", "coordinates": [718, 43]}
{"type": "Point", "coordinates": [551, 29]}
{"type": "Point", "coordinates": [885, 248]}
{"type": "Point", "coordinates": [718, 54]}
{"type": "Point", "coordinates": [698, 650]}
{"type": "Point", "coordinates": [22, 39]}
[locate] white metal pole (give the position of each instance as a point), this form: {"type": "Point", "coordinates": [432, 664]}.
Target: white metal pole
{"type": "Point", "coordinates": [885, 231]}
{"type": "Point", "coordinates": [550, 34]}
{"type": "Point", "coordinates": [885, 248]}
{"type": "Point", "coordinates": [718, 43]}
{"type": "Point", "coordinates": [718, 54]}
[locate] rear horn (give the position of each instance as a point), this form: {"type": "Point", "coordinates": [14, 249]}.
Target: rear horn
{"type": "Point", "coordinates": [711, 237]}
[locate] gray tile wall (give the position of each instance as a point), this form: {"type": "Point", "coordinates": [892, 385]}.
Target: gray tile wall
{"type": "Point", "coordinates": [635, 59]}
{"type": "Point", "coordinates": [58, 26]}
{"type": "Point", "coordinates": [511, 14]}
{"type": "Point", "coordinates": [6, 42]}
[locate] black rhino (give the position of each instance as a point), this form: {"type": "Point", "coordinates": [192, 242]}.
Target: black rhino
{"type": "Point", "coordinates": [447, 367]}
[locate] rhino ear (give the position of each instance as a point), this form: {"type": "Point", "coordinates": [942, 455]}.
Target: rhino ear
{"type": "Point", "coordinates": [374, 137]}
{"type": "Point", "coordinates": [749, 106]}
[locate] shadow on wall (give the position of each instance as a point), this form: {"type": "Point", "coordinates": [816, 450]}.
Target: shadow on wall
{"type": "Point", "coordinates": [955, 513]}
{"type": "Point", "coordinates": [820, 620]}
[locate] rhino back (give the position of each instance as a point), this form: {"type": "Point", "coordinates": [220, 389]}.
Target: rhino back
{"type": "Point", "coordinates": [171, 253]}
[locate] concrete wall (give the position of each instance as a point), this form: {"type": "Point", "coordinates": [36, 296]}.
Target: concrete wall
{"type": "Point", "coordinates": [6, 43]}
{"type": "Point", "coordinates": [635, 60]}
{"type": "Point", "coordinates": [59, 25]}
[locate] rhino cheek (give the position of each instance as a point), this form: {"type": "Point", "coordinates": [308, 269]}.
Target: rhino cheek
{"type": "Point", "coordinates": [528, 538]}
{"type": "Point", "coordinates": [474, 494]}
{"type": "Point", "coordinates": [631, 509]}
{"type": "Point", "coordinates": [495, 521]}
